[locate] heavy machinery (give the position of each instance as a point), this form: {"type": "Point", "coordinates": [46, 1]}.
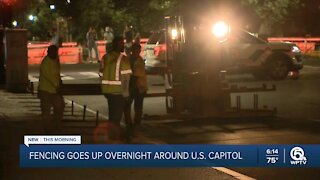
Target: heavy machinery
{"type": "Point", "coordinates": [195, 81]}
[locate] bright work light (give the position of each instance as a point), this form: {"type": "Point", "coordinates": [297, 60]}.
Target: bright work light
{"type": "Point", "coordinates": [220, 29]}
{"type": "Point", "coordinates": [174, 34]}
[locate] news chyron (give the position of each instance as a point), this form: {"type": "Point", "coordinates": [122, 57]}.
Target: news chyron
{"type": "Point", "coordinates": [68, 151]}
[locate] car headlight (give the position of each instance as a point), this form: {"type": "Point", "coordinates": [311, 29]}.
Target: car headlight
{"type": "Point", "coordinates": [295, 49]}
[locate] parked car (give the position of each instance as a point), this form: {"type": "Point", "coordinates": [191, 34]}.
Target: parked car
{"type": "Point", "coordinates": [243, 52]}
{"type": "Point", "coordinates": [250, 54]}
{"type": "Point", "coordinates": [154, 53]}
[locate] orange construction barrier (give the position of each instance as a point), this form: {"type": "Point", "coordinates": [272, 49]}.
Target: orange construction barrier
{"type": "Point", "coordinates": [306, 45]}
{"type": "Point", "coordinates": [69, 53]}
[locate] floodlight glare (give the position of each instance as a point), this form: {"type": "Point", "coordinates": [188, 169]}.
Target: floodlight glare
{"type": "Point", "coordinates": [174, 33]}
{"type": "Point", "coordinates": [52, 6]}
{"type": "Point", "coordinates": [220, 29]}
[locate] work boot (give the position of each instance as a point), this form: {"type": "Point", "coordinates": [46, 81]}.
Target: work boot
{"type": "Point", "coordinates": [137, 118]}
{"type": "Point", "coordinates": [129, 132]}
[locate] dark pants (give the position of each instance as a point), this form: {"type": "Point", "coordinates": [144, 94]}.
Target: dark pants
{"type": "Point", "coordinates": [109, 47]}
{"type": "Point", "coordinates": [116, 107]}
{"type": "Point", "coordinates": [94, 47]}
{"type": "Point", "coordinates": [137, 98]}
{"type": "Point", "coordinates": [47, 101]}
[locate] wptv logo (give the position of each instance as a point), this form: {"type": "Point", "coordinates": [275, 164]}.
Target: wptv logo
{"type": "Point", "coordinates": [297, 156]}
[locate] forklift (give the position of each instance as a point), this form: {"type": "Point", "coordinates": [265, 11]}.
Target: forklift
{"type": "Point", "coordinates": [195, 79]}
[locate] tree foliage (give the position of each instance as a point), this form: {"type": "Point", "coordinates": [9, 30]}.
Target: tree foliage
{"type": "Point", "coordinates": [147, 15]}
{"type": "Point", "coordinates": [143, 15]}
{"type": "Point", "coordinates": [44, 20]}
{"type": "Point", "coordinates": [273, 13]}
{"type": "Point", "coordinates": [276, 11]}
{"type": "Point", "coordinates": [307, 17]}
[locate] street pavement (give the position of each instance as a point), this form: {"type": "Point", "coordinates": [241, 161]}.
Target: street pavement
{"type": "Point", "coordinates": [297, 120]}
{"type": "Point", "coordinates": [20, 115]}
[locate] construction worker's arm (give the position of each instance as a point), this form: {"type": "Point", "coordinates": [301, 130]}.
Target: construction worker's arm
{"type": "Point", "coordinates": [141, 76]}
{"type": "Point", "coordinates": [139, 68]}
{"type": "Point", "coordinates": [125, 79]}
{"type": "Point", "coordinates": [125, 76]}
{"type": "Point", "coordinates": [55, 77]}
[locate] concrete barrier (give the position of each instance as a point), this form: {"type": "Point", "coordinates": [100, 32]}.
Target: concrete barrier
{"type": "Point", "coordinates": [305, 44]}
{"type": "Point", "coordinates": [69, 53]}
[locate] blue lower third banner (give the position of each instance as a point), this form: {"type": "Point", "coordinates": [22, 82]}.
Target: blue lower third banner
{"type": "Point", "coordinates": [84, 155]}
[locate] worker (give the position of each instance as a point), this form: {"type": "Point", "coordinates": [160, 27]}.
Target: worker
{"type": "Point", "coordinates": [115, 80]}
{"type": "Point", "coordinates": [128, 36]}
{"type": "Point", "coordinates": [91, 43]}
{"type": "Point", "coordinates": [108, 36]}
{"type": "Point", "coordinates": [48, 90]}
{"type": "Point", "coordinates": [138, 88]}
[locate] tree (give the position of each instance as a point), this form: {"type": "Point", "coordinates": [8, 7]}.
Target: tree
{"type": "Point", "coordinates": [143, 15]}
{"type": "Point", "coordinates": [273, 14]}
{"type": "Point", "coordinates": [44, 18]}
{"type": "Point", "coordinates": [308, 17]}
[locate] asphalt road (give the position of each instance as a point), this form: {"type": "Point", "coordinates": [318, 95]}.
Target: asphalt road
{"type": "Point", "coordinates": [297, 120]}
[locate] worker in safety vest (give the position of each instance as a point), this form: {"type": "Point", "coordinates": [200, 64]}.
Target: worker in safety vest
{"type": "Point", "coordinates": [138, 88]}
{"type": "Point", "coordinates": [115, 79]}
{"type": "Point", "coordinates": [48, 90]}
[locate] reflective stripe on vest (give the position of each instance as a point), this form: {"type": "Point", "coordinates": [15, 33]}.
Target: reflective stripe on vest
{"type": "Point", "coordinates": [114, 82]}
{"type": "Point", "coordinates": [126, 71]}
{"type": "Point", "coordinates": [118, 67]}
{"type": "Point", "coordinates": [106, 82]}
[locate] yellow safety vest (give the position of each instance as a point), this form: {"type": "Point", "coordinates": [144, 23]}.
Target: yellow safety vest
{"type": "Point", "coordinates": [115, 65]}
{"type": "Point", "coordinates": [49, 79]}
{"type": "Point", "coordinates": [139, 72]}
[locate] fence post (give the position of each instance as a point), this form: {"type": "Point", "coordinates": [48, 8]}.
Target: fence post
{"type": "Point", "coordinates": [72, 107]}
{"type": "Point", "coordinates": [84, 112]}
{"type": "Point", "coordinates": [97, 118]}
{"type": "Point", "coordinates": [238, 103]}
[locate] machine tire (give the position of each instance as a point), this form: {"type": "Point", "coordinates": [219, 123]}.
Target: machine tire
{"type": "Point", "coordinates": [277, 67]}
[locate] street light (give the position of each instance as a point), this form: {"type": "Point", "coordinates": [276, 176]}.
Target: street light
{"type": "Point", "coordinates": [52, 7]}
{"type": "Point", "coordinates": [32, 17]}
{"type": "Point", "coordinates": [15, 23]}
